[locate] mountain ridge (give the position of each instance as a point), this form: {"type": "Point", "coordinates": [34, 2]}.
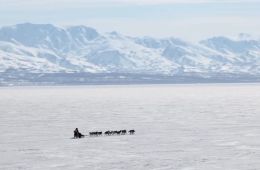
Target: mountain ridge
{"type": "Point", "coordinates": [45, 48]}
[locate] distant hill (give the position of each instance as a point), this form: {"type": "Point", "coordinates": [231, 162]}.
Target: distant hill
{"type": "Point", "coordinates": [45, 48]}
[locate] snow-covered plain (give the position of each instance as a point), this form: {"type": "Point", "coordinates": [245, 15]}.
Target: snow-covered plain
{"type": "Point", "coordinates": [178, 127]}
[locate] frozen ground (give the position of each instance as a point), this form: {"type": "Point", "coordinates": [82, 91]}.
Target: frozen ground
{"type": "Point", "coordinates": [178, 127]}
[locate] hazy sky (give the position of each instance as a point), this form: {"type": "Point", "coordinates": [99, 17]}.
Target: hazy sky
{"type": "Point", "coordinates": [188, 19]}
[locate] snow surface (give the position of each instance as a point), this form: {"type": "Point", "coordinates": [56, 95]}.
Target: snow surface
{"type": "Point", "coordinates": [180, 127]}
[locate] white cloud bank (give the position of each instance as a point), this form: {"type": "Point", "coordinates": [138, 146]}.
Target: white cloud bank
{"type": "Point", "coordinates": [7, 3]}
{"type": "Point", "coordinates": [193, 29]}
{"type": "Point", "coordinates": [187, 24]}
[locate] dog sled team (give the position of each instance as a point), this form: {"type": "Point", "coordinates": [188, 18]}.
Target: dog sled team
{"type": "Point", "coordinates": [77, 134]}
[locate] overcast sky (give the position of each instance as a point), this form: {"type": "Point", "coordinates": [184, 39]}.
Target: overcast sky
{"type": "Point", "coordinates": [188, 19]}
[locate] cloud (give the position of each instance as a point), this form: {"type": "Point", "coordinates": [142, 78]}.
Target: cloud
{"type": "Point", "coordinates": [191, 29]}
{"type": "Point", "coordinates": [152, 2]}
{"type": "Point", "coordinates": [62, 3]}
{"type": "Point", "coordinates": [193, 19]}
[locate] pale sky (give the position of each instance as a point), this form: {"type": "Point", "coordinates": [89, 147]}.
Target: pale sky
{"type": "Point", "coordinates": [187, 19]}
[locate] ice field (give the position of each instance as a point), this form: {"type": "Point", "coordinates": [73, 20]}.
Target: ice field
{"type": "Point", "coordinates": [178, 127]}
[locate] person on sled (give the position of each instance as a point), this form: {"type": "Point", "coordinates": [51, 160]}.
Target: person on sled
{"type": "Point", "coordinates": [77, 134]}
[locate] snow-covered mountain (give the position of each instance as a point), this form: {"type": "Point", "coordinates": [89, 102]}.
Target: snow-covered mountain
{"type": "Point", "coordinates": [44, 48]}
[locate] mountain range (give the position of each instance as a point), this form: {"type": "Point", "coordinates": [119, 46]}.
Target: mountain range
{"type": "Point", "coordinates": [45, 48]}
